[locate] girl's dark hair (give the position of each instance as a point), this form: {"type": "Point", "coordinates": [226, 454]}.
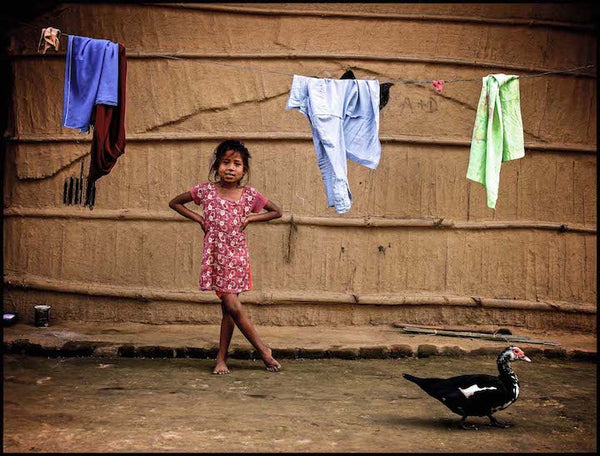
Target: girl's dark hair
{"type": "Point", "coordinates": [221, 149]}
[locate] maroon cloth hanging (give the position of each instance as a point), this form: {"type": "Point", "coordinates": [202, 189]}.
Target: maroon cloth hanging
{"type": "Point", "coordinates": [108, 142]}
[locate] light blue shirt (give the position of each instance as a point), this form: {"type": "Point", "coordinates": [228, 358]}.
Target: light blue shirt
{"type": "Point", "coordinates": [344, 120]}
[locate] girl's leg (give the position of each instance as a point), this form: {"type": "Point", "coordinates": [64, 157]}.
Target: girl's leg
{"type": "Point", "coordinates": [227, 327]}
{"type": "Point", "coordinates": [234, 308]}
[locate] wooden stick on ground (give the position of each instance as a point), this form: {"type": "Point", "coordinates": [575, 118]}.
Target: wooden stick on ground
{"type": "Point", "coordinates": [474, 335]}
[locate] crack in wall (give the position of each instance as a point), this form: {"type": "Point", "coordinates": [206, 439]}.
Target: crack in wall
{"type": "Point", "coordinates": [215, 109]}
{"type": "Point", "coordinates": [179, 120]}
{"type": "Point", "coordinates": [212, 109]}
{"type": "Point", "coordinates": [443, 95]}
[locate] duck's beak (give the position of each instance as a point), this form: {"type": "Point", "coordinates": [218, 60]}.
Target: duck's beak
{"type": "Point", "coordinates": [525, 358]}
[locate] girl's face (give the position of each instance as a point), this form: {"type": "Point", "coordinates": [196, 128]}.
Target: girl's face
{"type": "Point", "coordinates": [231, 167]}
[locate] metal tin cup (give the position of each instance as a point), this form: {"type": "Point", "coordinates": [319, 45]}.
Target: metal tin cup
{"type": "Point", "coordinates": [42, 316]}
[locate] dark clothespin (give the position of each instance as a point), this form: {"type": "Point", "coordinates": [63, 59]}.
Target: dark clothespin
{"type": "Point", "coordinates": [348, 74]}
{"type": "Point", "coordinates": [384, 88]}
{"type": "Point", "coordinates": [384, 93]}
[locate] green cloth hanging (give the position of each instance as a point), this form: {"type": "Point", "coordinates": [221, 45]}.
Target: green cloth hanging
{"type": "Point", "coordinates": [498, 132]}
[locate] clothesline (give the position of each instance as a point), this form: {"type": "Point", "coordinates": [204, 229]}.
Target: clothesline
{"type": "Point", "coordinates": [479, 79]}
{"type": "Point", "coordinates": [401, 80]}
{"type": "Point", "coordinates": [406, 81]}
{"type": "Point", "coordinates": [492, 143]}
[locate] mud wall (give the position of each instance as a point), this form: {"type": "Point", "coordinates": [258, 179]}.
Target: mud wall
{"type": "Point", "coordinates": [419, 243]}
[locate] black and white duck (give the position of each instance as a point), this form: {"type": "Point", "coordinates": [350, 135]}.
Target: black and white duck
{"type": "Point", "coordinates": [477, 394]}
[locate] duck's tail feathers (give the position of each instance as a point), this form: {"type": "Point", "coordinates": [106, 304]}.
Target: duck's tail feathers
{"type": "Point", "coordinates": [412, 378]}
{"type": "Point", "coordinates": [426, 384]}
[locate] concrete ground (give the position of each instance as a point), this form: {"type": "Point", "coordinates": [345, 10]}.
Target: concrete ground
{"type": "Point", "coordinates": [345, 342]}
{"type": "Point", "coordinates": [118, 404]}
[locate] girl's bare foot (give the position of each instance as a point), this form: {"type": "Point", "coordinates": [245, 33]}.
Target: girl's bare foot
{"type": "Point", "coordinates": [271, 363]}
{"type": "Point", "coordinates": [220, 368]}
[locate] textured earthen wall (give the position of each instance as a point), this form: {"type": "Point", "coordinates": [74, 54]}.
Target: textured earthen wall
{"type": "Point", "coordinates": [419, 243]}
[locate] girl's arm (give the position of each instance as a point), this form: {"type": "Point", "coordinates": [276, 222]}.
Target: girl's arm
{"type": "Point", "coordinates": [177, 204]}
{"type": "Point", "coordinates": [273, 212]}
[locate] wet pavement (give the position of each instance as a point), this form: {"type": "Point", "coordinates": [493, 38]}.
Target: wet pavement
{"type": "Point", "coordinates": [117, 404]}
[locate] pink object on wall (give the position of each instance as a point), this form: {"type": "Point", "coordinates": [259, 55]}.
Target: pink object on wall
{"type": "Point", "coordinates": [438, 86]}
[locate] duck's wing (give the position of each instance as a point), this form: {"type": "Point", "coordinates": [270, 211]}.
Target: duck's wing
{"type": "Point", "coordinates": [474, 394]}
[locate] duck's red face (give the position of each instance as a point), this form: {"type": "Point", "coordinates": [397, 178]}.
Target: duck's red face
{"type": "Point", "coordinates": [517, 354]}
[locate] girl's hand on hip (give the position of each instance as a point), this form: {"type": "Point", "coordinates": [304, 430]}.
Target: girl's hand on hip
{"type": "Point", "coordinates": [202, 223]}
{"type": "Point", "coordinates": [245, 223]}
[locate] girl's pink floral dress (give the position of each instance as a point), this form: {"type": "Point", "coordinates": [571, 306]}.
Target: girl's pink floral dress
{"type": "Point", "coordinates": [225, 262]}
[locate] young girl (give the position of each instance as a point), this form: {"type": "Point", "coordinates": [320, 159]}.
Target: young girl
{"type": "Point", "coordinates": [228, 207]}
